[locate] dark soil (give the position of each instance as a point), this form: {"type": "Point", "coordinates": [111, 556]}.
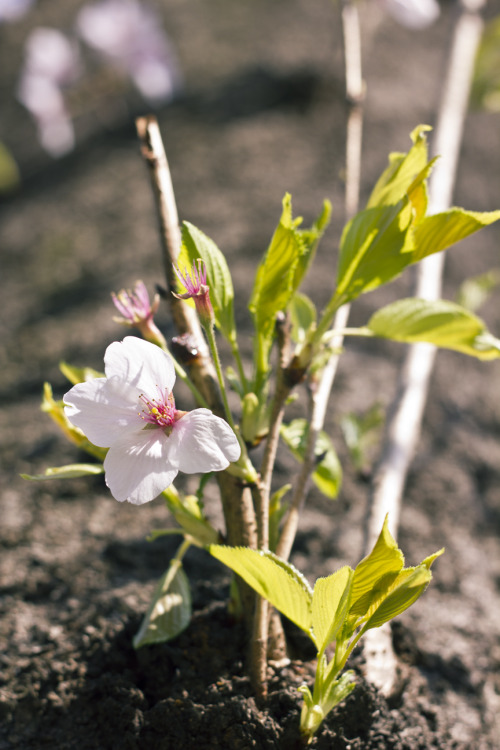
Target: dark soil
{"type": "Point", "coordinates": [262, 113]}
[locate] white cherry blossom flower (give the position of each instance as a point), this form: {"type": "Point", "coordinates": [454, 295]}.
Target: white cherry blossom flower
{"type": "Point", "coordinates": [132, 411]}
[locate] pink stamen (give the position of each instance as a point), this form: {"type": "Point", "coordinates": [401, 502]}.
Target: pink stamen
{"type": "Point", "coordinates": [160, 411]}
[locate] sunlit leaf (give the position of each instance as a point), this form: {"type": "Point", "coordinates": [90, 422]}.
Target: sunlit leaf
{"type": "Point", "coordinates": [374, 575]}
{"type": "Point", "coordinates": [170, 610]}
{"type": "Point", "coordinates": [439, 322]}
{"type": "Point", "coordinates": [55, 410]}
{"type": "Point", "coordinates": [439, 231]}
{"type": "Point", "coordinates": [77, 375]}
{"type": "Point", "coordinates": [408, 586]}
{"type": "Point", "coordinates": [394, 182]}
{"type": "Point", "coordinates": [274, 579]}
{"type": "Point", "coordinates": [196, 244]}
{"type": "Point", "coordinates": [331, 600]}
{"type": "Point", "coordinates": [66, 472]}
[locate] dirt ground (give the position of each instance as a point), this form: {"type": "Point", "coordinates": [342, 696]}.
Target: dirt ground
{"type": "Point", "coordinates": [262, 113]}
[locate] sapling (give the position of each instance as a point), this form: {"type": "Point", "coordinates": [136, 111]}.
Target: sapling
{"type": "Point", "coordinates": [129, 420]}
{"type": "Point", "coordinates": [339, 609]}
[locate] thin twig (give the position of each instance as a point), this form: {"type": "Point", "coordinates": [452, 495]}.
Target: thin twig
{"type": "Point", "coordinates": [405, 415]}
{"type": "Point", "coordinates": [236, 501]}
{"type": "Point", "coordinates": [261, 493]}
{"type": "Point", "coordinates": [320, 391]}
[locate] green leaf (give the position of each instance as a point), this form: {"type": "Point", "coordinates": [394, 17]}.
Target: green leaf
{"type": "Point", "coordinates": [66, 472]}
{"type": "Point", "coordinates": [439, 231]}
{"type": "Point", "coordinates": [328, 473]}
{"type": "Point", "coordinates": [395, 181]}
{"type": "Point", "coordinates": [276, 512]}
{"type": "Point", "coordinates": [474, 291]}
{"type": "Point", "coordinates": [196, 244]}
{"type": "Point", "coordinates": [55, 410]}
{"type": "Point", "coordinates": [302, 317]}
{"type": "Point", "coordinates": [486, 82]}
{"type": "Point", "coordinates": [77, 375]}
{"type": "Point", "coordinates": [188, 514]}
{"type": "Point", "coordinates": [373, 249]}
{"type": "Point", "coordinates": [361, 432]}
{"type": "Point", "coordinates": [10, 177]}
{"type": "Point", "coordinates": [374, 575]}
{"type": "Point", "coordinates": [331, 600]}
{"type": "Point", "coordinates": [408, 586]}
{"type": "Point", "coordinates": [439, 322]}
{"type": "Point", "coordinates": [274, 579]}
{"type": "Point", "coordinates": [170, 610]}
{"type": "Point", "coordinates": [284, 265]}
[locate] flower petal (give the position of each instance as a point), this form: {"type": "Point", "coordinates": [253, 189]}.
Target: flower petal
{"type": "Point", "coordinates": [137, 469]}
{"type": "Point", "coordinates": [202, 442]}
{"type": "Point", "coordinates": [141, 365]}
{"type": "Point", "coordinates": [103, 409]}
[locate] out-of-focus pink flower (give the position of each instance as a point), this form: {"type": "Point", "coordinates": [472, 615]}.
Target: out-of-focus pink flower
{"type": "Point", "coordinates": [415, 14]}
{"type": "Point", "coordinates": [138, 312]}
{"type": "Point", "coordinates": [132, 411]}
{"type": "Point", "coordinates": [51, 62]}
{"type": "Point", "coordinates": [13, 10]}
{"type": "Point", "coordinates": [129, 34]}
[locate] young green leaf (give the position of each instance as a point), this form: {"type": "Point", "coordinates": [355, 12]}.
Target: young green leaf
{"type": "Point", "coordinates": [373, 249]}
{"type": "Point", "coordinates": [394, 182]}
{"type": "Point", "coordinates": [55, 410]}
{"type": "Point", "coordinates": [276, 580]}
{"type": "Point", "coordinates": [475, 290]}
{"type": "Point", "coordinates": [439, 231]}
{"type": "Point", "coordinates": [77, 375]}
{"type": "Point", "coordinates": [374, 575]}
{"type": "Point", "coordinates": [327, 475]}
{"type": "Point", "coordinates": [302, 316]}
{"type": "Point", "coordinates": [196, 244]}
{"type": "Point", "coordinates": [170, 610]}
{"type": "Point", "coordinates": [66, 472]}
{"type": "Point", "coordinates": [284, 265]}
{"type": "Point", "coordinates": [439, 322]}
{"type": "Point", "coordinates": [330, 604]}
{"type": "Point", "coordinates": [408, 586]}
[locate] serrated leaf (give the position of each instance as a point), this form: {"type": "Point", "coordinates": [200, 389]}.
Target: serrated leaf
{"type": "Point", "coordinates": [374, 575]}
{"type": "Point", "coordinates": [439, 231]}
{"type": "Point", "coordinates": [327, 475]}
{"type": "Point", "coordinates": [66, 472]}
{"type": "Point", "coordinates": [439, 322]}
{"type": "Point", "coordinates": [372, 249]}
{"type": "Point", "coordinates": [196, 244]}
{"type": "Point", "coordinates": [331, 600]}
{"type": "Point", "coordinates": [394, 182]}
{"type": "Point", "coordinates": [274, 579]}
{"type": "Point", "coordinates": [170, 610]}
{"type": "Point", "coordinates": [408, 586]}
{"type": "Point", "coordinates": [284, 265]}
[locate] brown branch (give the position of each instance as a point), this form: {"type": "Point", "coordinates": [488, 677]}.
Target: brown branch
{"type": "Point", "coordinates": [236, 501]}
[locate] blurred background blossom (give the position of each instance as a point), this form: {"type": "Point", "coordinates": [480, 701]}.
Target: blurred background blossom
{"type": "Point", "coordinates": [129, 35]}
{"type": "Point", "coordinates": [415, 14]}
{"type": "Point", "coordinates": [13, 10]}
{"type": "Point", "coordinates": [76, 82]}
